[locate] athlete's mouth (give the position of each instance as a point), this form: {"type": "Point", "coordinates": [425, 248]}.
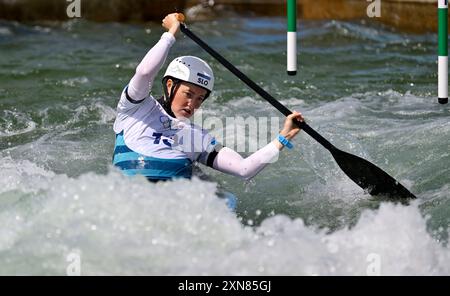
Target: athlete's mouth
{"type": "Point", "coordinates": [188, 111]}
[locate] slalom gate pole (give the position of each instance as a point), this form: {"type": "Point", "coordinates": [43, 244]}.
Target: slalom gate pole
{"type": "Point", "coordinates": [443, 51]}
{"type": "Point", "coordinates": [292, 37]}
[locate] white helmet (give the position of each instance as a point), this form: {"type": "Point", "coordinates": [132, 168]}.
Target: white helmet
{"type": "Point", "coordinates": [193, 70]}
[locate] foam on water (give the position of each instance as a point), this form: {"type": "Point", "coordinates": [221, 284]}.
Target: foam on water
{"type": "Point", "coordinates": [13, 122]}
{"type": "Point", "coordinates": [75, 82]}
{"type": "Point", "coordinates": [5, 31]}
{"type": "Point", "coordinates": [128, 226]}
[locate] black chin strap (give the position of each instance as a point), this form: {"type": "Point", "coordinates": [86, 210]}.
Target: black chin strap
{"type": "Point", "coordinates": [163, 102]}
{"type": "Point", "coordinates": [166, 100]}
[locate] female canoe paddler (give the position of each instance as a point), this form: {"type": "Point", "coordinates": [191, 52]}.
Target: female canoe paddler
{"type": "Point", "coordinates": [153, 137]}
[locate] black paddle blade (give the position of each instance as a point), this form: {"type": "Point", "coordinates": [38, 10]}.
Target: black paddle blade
{"type": "Point", "coordinates": [370, 177]}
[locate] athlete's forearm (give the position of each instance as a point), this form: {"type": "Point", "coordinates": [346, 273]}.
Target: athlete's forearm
{"type": "Point", "coordinates": [230, 162]}
{"type": "Point", "coordinates": [142, 81]}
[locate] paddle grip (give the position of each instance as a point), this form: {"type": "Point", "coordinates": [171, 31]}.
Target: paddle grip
{"type": "Point", "coordinates": [180, 17]}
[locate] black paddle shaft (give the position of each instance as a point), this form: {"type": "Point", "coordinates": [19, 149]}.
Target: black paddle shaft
{"type": "Point", "coordinates": [303, 125]}
{"type": "Point", "coordinates": [368, 176]}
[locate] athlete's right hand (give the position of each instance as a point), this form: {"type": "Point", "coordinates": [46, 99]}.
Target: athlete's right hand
{"type": "Point", "coordinates": [171, 23]}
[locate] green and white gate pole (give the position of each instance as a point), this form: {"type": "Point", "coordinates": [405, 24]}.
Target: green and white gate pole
{"type": "Point", "coordinates": [292, 37]}
{"type": "Point", "coordinates": [443, 51]}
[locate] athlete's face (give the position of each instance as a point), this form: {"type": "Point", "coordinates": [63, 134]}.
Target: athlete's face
{"type": "Point", "coordinates": [188, 98]}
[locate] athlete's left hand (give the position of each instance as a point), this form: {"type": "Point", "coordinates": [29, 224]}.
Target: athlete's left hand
{"type": "Point", "coordinates": [290, 129]}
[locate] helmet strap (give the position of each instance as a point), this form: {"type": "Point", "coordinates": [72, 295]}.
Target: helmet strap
{"type": "Point", "coordinates": [167, 99]}
{"type": "Point", "coordinates": [208, 93]}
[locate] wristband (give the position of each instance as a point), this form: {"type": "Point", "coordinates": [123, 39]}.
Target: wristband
{"type": "Point", "coordinates": [285, 142]}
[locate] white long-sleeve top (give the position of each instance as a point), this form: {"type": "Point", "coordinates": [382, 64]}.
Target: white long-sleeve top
{"type": "Point", "coordinates": [151, 132]}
